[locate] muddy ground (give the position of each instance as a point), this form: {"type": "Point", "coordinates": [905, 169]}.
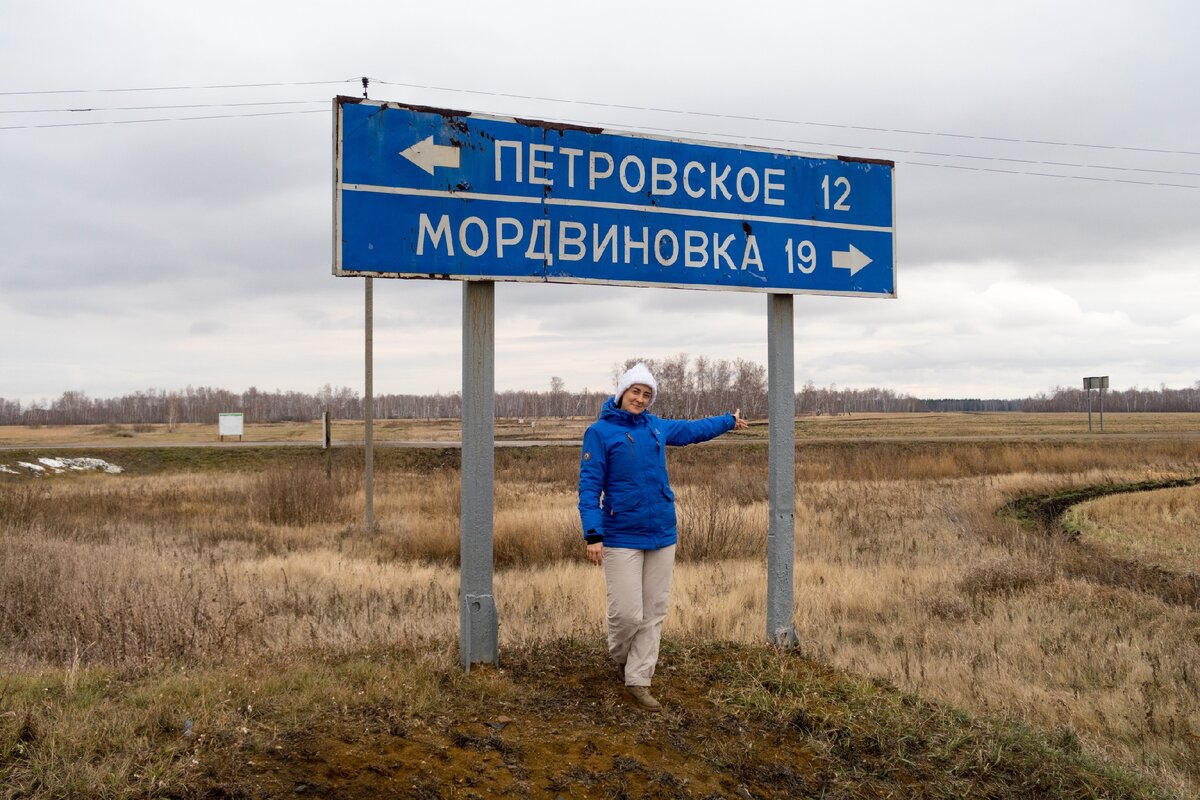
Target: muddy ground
{"type": "Point", "coordinates": [739, 722]}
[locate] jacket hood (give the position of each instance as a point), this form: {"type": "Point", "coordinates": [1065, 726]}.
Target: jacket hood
{"type": "Point", "coordinates": [620, 416]}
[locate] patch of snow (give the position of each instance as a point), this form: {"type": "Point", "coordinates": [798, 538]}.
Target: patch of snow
{"type": "Point", "coordinates": [61, 465]}
{"type": "Point", "coordinates": [80, 464]}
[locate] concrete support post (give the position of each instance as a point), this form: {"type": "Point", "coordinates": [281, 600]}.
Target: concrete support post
{"type": "Point", "coordinates": [781, 473]}
{"type": "Point", "coordinates": [478, 624]}
{"type": "Point", "coordinates": [369, 407]}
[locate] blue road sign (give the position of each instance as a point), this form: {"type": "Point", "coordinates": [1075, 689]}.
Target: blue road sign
{"type": "Point", "coordinates": [432, 193]}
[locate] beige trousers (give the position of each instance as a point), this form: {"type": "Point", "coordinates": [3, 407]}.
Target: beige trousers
{"type": "Point", "coordinates": [639, 592]}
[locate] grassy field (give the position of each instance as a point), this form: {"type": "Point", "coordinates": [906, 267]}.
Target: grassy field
{"type": "Point", "coordinates": [234, 588]}
{"type": "Point", "coordinates": [874, 426]}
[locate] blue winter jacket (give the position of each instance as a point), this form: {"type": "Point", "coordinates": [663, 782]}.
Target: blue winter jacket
{"type": "Point", "coordinates": [623, 490]}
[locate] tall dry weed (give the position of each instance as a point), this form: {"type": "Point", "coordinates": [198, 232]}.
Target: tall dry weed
{"type": "Point", "coordinates": [303, 495]}
{"type": "Point", "coordinates": [713, 526]}
{"type": "Point", "coordinates": [22, 504]}
{"type": "Point", "coordinates": [533, 532]}
{"type": "Point", "coordinates": [1004, 576]}
{"type": "Point", "coordinates": [124, 607]}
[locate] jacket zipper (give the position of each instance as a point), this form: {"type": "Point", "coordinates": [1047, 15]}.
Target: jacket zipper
{"type": "Point", "coordinates": [633, 454]}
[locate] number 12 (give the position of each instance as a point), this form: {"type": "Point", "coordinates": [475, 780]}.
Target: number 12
{"type": "Point", "coordinates": [841, 183]}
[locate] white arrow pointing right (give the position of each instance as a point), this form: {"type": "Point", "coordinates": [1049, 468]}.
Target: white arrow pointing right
{"type": "Point", "coordinates": [427, 155]}
{"type": "Point", "coordinates": [852, 259]}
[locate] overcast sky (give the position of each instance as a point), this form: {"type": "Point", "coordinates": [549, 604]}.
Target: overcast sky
{"type": "Point", "coordinates": [159, 254]}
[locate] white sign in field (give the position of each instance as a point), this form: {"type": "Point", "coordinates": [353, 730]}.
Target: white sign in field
{"type": "Point", "coordinates": [230, 424]}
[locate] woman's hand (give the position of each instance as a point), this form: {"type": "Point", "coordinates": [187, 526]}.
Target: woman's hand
{"type": "Point", "coordinates": [739, 424]}
{"type": "Point", "coordinates": [595, 553]}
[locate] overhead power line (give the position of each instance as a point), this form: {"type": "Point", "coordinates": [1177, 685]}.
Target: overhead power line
{"type": "Point", "coordinates": [176, 88]}
{"type": "Point", "coordinates": [773, 140]}
{"type": "Point", "coordinates": [902, 151]}
{"type": "Point", "coordinates": [1052, 175]}
{"type": "Point", "coordinates": [159, 119]}
{"type": "Point", "coordinates": [628, 107]}
{"type": "Point", "coordinates": [874, 148]}
{"type": "Point", "coordinates": [843, 126]}
{"type": "Point", "coordinates": [778, 140]}
{"type": "Point", "coordinates": [163, 108]}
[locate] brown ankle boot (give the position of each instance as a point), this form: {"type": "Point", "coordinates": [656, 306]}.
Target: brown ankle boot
{"type": "Point", "coordinates": [642, 698]}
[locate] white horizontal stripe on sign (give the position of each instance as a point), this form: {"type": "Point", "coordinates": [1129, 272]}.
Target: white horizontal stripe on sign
{"type": "Point", "coordinates": [557, 201]}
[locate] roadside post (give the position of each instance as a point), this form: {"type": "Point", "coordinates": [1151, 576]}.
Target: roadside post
{"type": "Point", "coordinates": [327, 442]}
{"type": "Point", "coordinates": [478, 622]}
{"type": "Point", "coordinates": [781, 469]}
{"type": "Point", "coordinates": [369, 405]}
{"type": "Point", "coordinates": [368, 390]}
{"type": "Point", "coordinates": [1099, 383]}
{"type": "Point", "coordinates": [439, 194]}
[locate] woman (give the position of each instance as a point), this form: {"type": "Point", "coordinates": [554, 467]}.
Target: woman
{"type": "Point", "coordinates": [628, 513]}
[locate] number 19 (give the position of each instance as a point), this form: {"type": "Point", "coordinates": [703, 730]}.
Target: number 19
{"type": "Point", "coordinates": [805, 257]}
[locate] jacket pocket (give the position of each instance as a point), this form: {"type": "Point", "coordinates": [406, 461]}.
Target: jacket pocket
{"type": "Point", "coordinates": [624, 503]}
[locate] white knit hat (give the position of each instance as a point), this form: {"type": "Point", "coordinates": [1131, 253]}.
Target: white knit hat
{"type": "Point", "coordinates": [638, 373]}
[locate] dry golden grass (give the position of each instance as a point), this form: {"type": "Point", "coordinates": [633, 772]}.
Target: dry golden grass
{"type": "Point", "coordinates": [904, 571]}
{"type": "Point", "coordinates": [940, 425]}
{"type": "Point", "coordinates": [1160, 528]}
{"type": "Point", "coordinates": [397, 430]}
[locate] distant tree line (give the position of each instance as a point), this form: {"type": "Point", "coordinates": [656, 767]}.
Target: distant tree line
{"type": "Point", "coordinates": [688, 388]}
{"type": "Point", "coordinates": [973, 404]}
{"type": "Point", "coordinates": [1135, 399]}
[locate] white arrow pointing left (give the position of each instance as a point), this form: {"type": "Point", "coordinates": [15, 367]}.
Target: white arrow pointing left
{"type": "Point", "coordinates": [427, 155]}
{"type": "Point", "coordinates": [852, 259]}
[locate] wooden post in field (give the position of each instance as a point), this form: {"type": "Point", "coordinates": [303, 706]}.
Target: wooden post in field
{"type": "Point", "coordinates": [327, 442]}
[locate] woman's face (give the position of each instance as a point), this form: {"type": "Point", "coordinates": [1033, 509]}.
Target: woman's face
{"type": "Point", "coordinates": [636, 398]}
